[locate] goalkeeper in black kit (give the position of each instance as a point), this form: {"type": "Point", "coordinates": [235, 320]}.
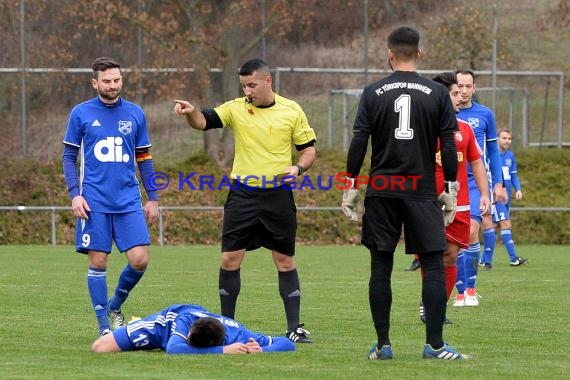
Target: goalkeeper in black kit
{"type": "Point", "coordinates": [403, 115]}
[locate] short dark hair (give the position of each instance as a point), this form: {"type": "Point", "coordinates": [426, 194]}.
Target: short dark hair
{"type": "Point", "coordinates": [447, 78]}
{"type": "Point", "coordinates": [466, 72]}
{"type": "Point", "coordinates": [252, 65]}
{"type": "Point", "coordinates": [206, 332]}
{"type": "Point", "coordinates": [404, 41]}
{"type": "Point", "coordinates": [102, 64]}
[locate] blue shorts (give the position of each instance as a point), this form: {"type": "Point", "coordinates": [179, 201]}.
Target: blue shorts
{"type": "Point", "coordinates": [122, 338]}
{"type": "Point", "coordinates": [139, 335]}
{"type": "Point", "coordinates": [474, 199]}
{"type": "Point", "coordinates": [501, 212]}
{"type": "Point", "coordinates": [97, 233]}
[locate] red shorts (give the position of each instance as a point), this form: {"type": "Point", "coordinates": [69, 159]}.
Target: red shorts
{"type": "Point", "coordinates": [458, 231]}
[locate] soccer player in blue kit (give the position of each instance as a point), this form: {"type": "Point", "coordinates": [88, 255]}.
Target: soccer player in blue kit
{"type": "Point", "coordinates": [501, 214]}
{"type": "Point", "coordinates": [189, 329]}
{"type": "Point", "coordinates": [110, 135]}
{"type": "Point", "coordinates": [482, 121]}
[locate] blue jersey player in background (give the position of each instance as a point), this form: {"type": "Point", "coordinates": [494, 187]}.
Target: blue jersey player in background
{"type": "Point", "coordinates": [110, 135]}
{"type": "Point", "coordinates": [501, 214]}
{"type": "Point", "coordinates": [189, 329]}
{"type": "Point", "coordinates": [482, 121]}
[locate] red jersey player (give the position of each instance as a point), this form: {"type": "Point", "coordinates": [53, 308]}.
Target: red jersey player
{"type": "Point", "coordinates": [457, 232]}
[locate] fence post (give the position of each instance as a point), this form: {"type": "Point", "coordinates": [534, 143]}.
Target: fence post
{"type": "Point", "coordinates": [561, 111]}
{"type": "Point", "coordinates": [331, 116]}
{"type": "Point", "coordinates": [525, 112]}
{"type": "Point", "coordinates": [345, 127]}
{"type": "Point", "coordinates": [53, 238]}
{"type": "Point", "coordinates": [160, 232]}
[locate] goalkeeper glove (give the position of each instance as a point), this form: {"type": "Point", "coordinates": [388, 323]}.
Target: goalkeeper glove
{"type": "Point", "coordinates": [352, 204]}
{"type": "Point", "coordinates": [448, 200]}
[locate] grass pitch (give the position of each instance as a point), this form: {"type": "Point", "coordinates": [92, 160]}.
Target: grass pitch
{"type": "Point", "coordinates": [519, 330]}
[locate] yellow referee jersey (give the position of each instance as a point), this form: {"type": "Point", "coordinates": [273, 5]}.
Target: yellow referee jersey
{"type": "Point", "coordinates": [264, 138]}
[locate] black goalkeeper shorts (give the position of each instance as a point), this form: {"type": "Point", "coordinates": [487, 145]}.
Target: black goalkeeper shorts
{"type": "Point", "coordinates": [424, 230]}
{"type": "Point", "coordinates": [255, 218]}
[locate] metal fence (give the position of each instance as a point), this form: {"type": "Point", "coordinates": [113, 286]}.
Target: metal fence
{"type": "Point", "coordinates": [533, 111]}
{"type": "Point", "coordinates": [515, 100]}
{"type": "Point", "coordinates": [161, 229]}
{"type": "Point", "coordinates": [534, 106]}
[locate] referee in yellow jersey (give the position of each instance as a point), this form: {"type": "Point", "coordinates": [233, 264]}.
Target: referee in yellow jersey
{"type": "Point", "coordinates": [260, 210]}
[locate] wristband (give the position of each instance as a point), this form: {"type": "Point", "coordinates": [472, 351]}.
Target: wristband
{"type": "Point", "coordinates": [301, 169]}
{"type": "Point", "coordinates": [451, 187]}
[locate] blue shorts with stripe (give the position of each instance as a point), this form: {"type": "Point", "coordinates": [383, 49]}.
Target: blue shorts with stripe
{"type": "Point", "coordinates": [127, 230]}
{"type": "Point", "coordinates": [501, 212]}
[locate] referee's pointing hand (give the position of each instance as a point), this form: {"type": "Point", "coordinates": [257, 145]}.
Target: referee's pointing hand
{"type": "Point", "coordinates": [183, 107]}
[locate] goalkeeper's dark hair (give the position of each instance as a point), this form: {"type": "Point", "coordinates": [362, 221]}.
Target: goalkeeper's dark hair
{"type": "Point", "coordinates": [447, 79]}
{"type": "Point", "coordinates": [206, 332]}
{"type": "Point", "coordinates": [102, 64]}
{"type": "Point", "coordinates": [404, 42]}
{"type": "Point", "coordinates": [253, 65]}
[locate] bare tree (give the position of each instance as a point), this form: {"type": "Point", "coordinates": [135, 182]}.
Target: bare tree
{"type": "Point", "coordinates": [206, 33]}
{"type": "Point", "coordinates": [200, 34]}
{"type": "Point", "coordinates": [559, 17]}
{"type": "Point", "coordinates": [464, 38]}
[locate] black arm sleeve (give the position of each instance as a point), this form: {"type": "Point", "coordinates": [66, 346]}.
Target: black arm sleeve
{"type": "Point", "coordinates": [356, 153]}
{"type": "Point", "coordinates": [448, 155]}
{"type": "Point", "coordinates": [301, 147]}
{"type": "Point", "coordinates": [212, 119]}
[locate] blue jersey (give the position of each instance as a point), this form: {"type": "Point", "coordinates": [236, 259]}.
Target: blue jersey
{"type": "Point", "coordinates": [168, 330]}
{"type": "Point", "coordinates": [510, 174]}
{"type": "Point", "coordinates": [482, 122]}
{"type": "Point", "coordinates": [107, 136]}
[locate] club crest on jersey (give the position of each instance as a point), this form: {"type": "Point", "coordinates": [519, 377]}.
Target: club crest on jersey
{"type": "Point", "coordinates": [125, 127]}
{"type": "Point", "coordinates": [473, 122]}
{"type": "Point", "coordinates": [508, 162]}
{"type": "Point", "coordinates": [458, 136]}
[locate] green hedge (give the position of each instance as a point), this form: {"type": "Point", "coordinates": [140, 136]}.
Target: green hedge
{"type": "Point", "coordinates": [542, 173]}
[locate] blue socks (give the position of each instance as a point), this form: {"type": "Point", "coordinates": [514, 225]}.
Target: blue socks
{"type": "Point", "coordinates": [509, 244]}
{"type": "Point", "coordinates": [97, 285]}
{"type": "Point", "coordinates": [471, 263]}
{"type": "Point", "coordinates": [127, 281]}
{"type": "Point", "coordinates": [489, 240]}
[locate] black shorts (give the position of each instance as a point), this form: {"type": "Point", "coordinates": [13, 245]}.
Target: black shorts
{"type": "Point", "coordinates": [424, 230]}
{"type": "Point", "coordinates": [255, 218]}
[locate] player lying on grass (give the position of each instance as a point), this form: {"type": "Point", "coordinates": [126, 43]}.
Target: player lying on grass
{"type": "Point", "coordinates": [189, 329]}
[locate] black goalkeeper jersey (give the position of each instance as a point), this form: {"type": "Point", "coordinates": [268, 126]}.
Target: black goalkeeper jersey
{"type": "Point", "coordinates": [404, 114]}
